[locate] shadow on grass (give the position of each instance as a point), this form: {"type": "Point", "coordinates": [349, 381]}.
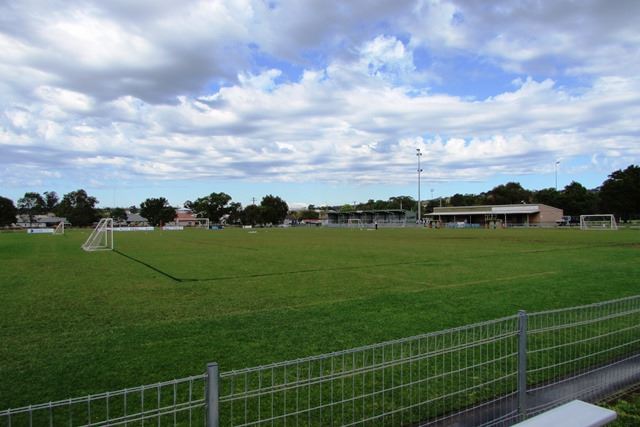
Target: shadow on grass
{"type": "Point", "coordinates": [157, 270]}
{"type": "Point", "coordinates": [343, 268]}
{"type": "Point", "coordinates": [276, 273]}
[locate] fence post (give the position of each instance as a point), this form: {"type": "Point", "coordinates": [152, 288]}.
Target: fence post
{"type": "Point", "coordinates": [212, 404]}
{"type": "Point", "coordinates": [522, 364]}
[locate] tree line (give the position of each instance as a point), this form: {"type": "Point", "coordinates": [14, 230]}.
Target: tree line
{"type": "Point", "coordinates": [619, 194]}
{"type": "Point", "coordinates": [79, 208]}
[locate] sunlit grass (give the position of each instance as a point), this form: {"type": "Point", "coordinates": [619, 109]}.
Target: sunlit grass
{"type": "Point", "coordinates": [166, 303]}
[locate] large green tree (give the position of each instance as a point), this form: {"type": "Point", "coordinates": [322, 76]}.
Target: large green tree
{"type": "Point", "coordinates": [309, 214]}
{"type": "Point", "coordinates": [214, 206]}
{"type": "Point", "coordinates": [577, 200]}
{"type": "Point", "coordinates": [620, 193]}
{"type": "Point", "coordinates": [157, 211]}
{"type": "Point", "coordinates": [402, 202]}
{"type": "Point", "coordinates": [548, 196]}
{"type": "Point", "coordinates": [251, 215]}
{"type": "Point", "coordinates": [119, 214]}
{"type": "Point", "coordinates": [78, 208]}
{"type": "Point", "coordinates": [51, 200]}
{"type": "Point", "coordinates": [31, 204]}
{"type": "Point", "coordinates": [465, 200]}
{"type": "Point", "coordinates": [235, 213]}
{"type": "Point", "coordinates": [274, 209]}
{"type": "Point", "coordinates": [8, 212]}
{"type": "Point", "coordinates": [506, 194]}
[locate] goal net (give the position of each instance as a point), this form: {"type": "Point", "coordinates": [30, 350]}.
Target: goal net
{"type": "Point", "coordinates": [354, 222]}
{"type": "Point", "coordinates": [59, 229]}
{"type": "Point", "coordinates": [101, 239]}
{"type": "Point", "coordinates": [598, 222]}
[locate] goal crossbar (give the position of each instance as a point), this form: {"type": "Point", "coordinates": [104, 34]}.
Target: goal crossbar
{"type": "Point", "coordinates": [101, 238]}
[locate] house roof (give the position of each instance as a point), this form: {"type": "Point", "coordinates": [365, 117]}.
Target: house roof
{"type": "Point", "coordinates": [185, 215]}
{"type": "Point", "coordinates": [40, 219]}
{"type": "Point", "coordinates": [134, 217]}
{"type": "Point", "coordinates": [486, 210]}
{"type": "Point", "coordinates": [50, 219]}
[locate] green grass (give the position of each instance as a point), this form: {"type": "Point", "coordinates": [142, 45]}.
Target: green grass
{"type": "Point", "coordinates": [628, 410]}
{"type": "Point", "coordinates": [166, 303]}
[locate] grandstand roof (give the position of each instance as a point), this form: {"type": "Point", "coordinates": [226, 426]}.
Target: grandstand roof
{"type": "Point", "coordinates": [522, 208]}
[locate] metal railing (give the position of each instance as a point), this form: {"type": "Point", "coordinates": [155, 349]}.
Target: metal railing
{"type": "Point", "coordinates": [587, 352]}
{"type": "Point", "coordinates": [176, 402]}
{"type": "Point", "coordinates": [491, 373]}
{"type": "Point", "coordinates": [395, 383]}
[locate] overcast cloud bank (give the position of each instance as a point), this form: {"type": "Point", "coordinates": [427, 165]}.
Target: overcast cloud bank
{"type": "Point", "coordinates": [334, 92]}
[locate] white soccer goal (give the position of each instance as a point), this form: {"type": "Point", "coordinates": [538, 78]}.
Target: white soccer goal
{"type": "Point", "coordinates": [59, 229]}
{"type": "Point", "coordinates": [354, 222]}
{"type": "Point", "coordinates": [598, 222]}
{"type": "Point", "coordinates": [101, 239]}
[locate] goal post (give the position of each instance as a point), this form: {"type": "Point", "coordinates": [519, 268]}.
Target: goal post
{"type": "Point", "coordinates": [101, 238]}
{"type": "Point", "coordinates": [598, 222]}
{"type": "Point", "coordinates": [59, 229]}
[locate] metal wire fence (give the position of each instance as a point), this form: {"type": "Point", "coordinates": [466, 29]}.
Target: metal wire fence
{"type": "Point", "coordinates": [177, 402]}
{"type": "Point", "coordinates": [586, 352]}
{"type": "Point", "coordinates": [491, 373]}
{"type": "Point", "coordinates": [401, 382]}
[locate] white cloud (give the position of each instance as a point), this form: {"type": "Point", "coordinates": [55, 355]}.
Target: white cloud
{"type": "Point", "coordinates": [206, 89]}
{"type": "Point", "coordinates": [318, 129]}
{"type": "Point", "coordinates": [107, 50]}
{"type": "Point", "coordinates": [262, 82]}
{"type": "Point", "coordinates": [65, 100]}
{"type": "Point", "coordinates": [437, 24]}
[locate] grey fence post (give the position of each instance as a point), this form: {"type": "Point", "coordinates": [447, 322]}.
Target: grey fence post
{"type": "Point", "coordinates": [212, 403]}
{"type": "Point", "coordinates": [522, 364]}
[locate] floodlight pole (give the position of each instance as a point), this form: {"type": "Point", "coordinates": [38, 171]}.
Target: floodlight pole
{"type": "Point", "coordinates": [556, 167]}
{"type": "Point", "coordinates": [419, 154]}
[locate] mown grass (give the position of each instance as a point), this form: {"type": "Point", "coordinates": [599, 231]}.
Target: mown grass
{"type": "Point", "coordinates": [166, 303]}
{"type": "Point", "coordinates": [628, 409]}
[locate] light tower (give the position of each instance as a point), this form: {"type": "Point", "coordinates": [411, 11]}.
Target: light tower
{"type": "Point", "coordinates": [419, 154]}
{"type": "Point", "coordinates": [557, 163]}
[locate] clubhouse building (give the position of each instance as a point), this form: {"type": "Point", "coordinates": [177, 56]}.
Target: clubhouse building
{"type": "Point", "coordinates": [493, 216]}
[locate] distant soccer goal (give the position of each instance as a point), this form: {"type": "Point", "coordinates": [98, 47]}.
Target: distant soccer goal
{"type": "Point", "coordinates": [101, 239]}
{"type": "Point", "coordinates": [59, 229]}
{"type": "Point", "coordinates": [354, 222]}
{"type": "Point", "coordinates": [598, 222]}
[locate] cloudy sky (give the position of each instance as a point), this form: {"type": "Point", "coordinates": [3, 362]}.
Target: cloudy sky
{"type": "Point", "coordinates": [317, 101]}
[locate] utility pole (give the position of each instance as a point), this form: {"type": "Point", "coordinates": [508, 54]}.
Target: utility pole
{"type": "Point", "coordinates": [419, 154]}
{"type": "Point", "coordinates": [557, 163]}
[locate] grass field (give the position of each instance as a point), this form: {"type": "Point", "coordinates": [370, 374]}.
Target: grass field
{"type": "Point", "coordinates": [165, 303]}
